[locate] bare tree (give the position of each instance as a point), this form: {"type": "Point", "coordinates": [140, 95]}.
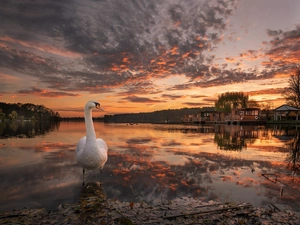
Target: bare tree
{"type": "Point", "coordinates": [292, 92]}
{"type": "Point", "coordinates": [293, 158]}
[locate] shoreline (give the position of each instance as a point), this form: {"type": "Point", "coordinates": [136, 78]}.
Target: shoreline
{"type": "Point", "coordinates": [94, 208]}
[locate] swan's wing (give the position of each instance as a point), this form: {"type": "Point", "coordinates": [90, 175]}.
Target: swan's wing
{"type": "Point", "coordinates": [102, 144]}
{"type": "Point", "coordinates": [80, 145]}
{"type": "Point", "coordinates": [103, 149]}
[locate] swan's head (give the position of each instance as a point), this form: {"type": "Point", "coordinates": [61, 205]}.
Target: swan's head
{"type": "Point", "coordinates": [92, 105]}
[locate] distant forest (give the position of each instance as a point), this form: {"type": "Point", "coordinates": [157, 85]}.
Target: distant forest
{"type": "Point", "coordinates": [27, 111]}
{"type": "Point", "coordinates": [162, 116]}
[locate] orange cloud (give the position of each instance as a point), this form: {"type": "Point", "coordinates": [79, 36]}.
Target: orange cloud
{"type": "Point", "coordinates": [174, 50]}
{"type": "Point", "coordinates": [230, 59]}
{"type": "Point", "coordinates": [283, 49]}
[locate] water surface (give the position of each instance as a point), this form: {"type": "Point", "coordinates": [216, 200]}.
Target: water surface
{"type": "Point", "coordinates": [150, 163]}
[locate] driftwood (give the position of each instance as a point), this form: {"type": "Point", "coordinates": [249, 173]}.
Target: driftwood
{"type": "Point", "coordinates": [206, 211]}
{"type": "Point", "coordinates": [267, 175]}
{"type": "Point", "coordinates": [275, 208]}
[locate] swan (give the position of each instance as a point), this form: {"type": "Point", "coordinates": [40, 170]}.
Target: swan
{"type": "Point", "coordinates": [91, 152]}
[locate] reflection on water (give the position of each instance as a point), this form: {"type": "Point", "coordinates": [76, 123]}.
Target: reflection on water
{"type": "Point", "coordinates": [235, 138]}
{"type": "Point", "coordinates": [293, 158]}
{"type": "Point", "coordinates": [26, 129]}
{"type": "Point", "coordinates": [154, 162]}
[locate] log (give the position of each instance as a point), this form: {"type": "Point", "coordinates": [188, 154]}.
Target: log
{"type": "Point", "coordinates": [206, 211]}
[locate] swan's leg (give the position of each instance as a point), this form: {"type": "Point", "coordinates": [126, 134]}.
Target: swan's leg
{"type": "Point", "coordinates": [83, 171]}
{"type": "Point", "coordinates": [101, 170]}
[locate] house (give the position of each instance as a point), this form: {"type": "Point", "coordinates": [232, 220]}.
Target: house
{"type": "Point", "coordinates": [285, 112]}
{"type": "Point", "coordinates": [209, 115]}
{"type": "Point", "coordinates": [240, 115]}
{"type": "Point", "coordinates": [191, 118]}
{"type": "Point", "coordinates": [243, 114]}
{"type": "Point", "coordinates": [236, 115]}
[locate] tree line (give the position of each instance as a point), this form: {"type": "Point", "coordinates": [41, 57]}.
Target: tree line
{"type": "Point", "coordinates": [27, 111]}
{"type": "Point", "coordinates": [161, 116]}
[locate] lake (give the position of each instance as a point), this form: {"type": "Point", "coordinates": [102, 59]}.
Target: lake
{"type": "Point", "coordinates": [151, 163]}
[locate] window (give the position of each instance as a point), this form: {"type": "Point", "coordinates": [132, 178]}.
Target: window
{"type": "Point", "coordinates": [252, 112]}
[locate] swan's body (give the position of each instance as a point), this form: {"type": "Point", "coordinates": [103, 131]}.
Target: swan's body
{"type": "Point", "coordinates": [91, 152]}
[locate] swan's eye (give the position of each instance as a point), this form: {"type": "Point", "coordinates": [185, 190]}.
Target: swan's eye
{"type": "Point", "coordinates": [97, 105]}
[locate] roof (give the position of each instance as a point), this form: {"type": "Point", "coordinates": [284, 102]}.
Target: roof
{"type": "Point", "coordinates": [286, 108]}
{"type": "Point", "coordinates": [252, 108]}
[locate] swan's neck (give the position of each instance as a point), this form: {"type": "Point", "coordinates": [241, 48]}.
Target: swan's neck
{"type": "Point", "coordinates": [90, 131]}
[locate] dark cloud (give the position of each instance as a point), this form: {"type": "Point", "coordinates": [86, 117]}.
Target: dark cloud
{"type": "Point", "coordinates": [274, 32]}
{"type": "Point", "coordinates": [219, 77]}
{"type": "Point", "coordinates": [209, 100]}
{"type": "Point", "coordinates": [193, 104]}
{"type": "Point", "coordinates": [198, 96]}
{"type": "Point", "coordinates": [139, 87]}
{"type": "Point", "coordinates": [46, 93]}
{"type": "Point", "coordinates": [121, 47]}
{"type": "Point", "coordinates": [173, 97]}
{"type": "Point", "coordinates": [282, 51]}
{"type": "Point", "coordinates": [269, 91]}
{"type": "Point", "coordinates": [120, 43]}
{"type": "Point", "coordinates": [30, 21]}
{"type": "Point", "coordinates": [180, 87]}
{"type": "Point", "coordinates": [142, 99]}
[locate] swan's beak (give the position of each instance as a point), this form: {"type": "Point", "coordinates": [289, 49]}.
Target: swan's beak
{"type": "Point", "coordinates": [98, 107]}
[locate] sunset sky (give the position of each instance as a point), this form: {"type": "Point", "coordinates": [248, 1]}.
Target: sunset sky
{"type": "Point", "coordinates": [145, 55]}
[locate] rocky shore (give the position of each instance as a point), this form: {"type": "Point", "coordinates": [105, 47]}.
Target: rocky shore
{"type": "Point", "coordinates": [94, 208]}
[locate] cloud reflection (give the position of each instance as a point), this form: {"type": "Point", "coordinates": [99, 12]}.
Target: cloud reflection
{"type": "Point", "coordinates": [158, 163]}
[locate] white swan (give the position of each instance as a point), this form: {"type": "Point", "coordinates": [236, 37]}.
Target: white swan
{"type": "Point", "coordinates": [91, 153]}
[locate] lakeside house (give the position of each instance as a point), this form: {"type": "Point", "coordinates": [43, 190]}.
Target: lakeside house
{"type": "Point", "coordinates": [244, 115]}
{"type": "Point", "coordinates": [239, 115]}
